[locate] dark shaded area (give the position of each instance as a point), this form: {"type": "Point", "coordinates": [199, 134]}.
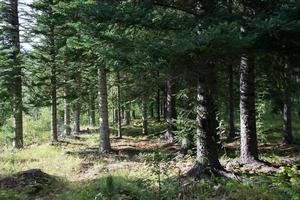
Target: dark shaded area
{"type": "Point", "coordinates": [31, 181]}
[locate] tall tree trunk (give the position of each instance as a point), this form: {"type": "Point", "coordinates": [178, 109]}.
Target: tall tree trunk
{"type": "Point", "coordinates": [144, 117]}
{"type": "Point", "coordinates": [171, 112]}
{"type": "Point", "coordinates": [116, 115]}
{"type": "Point", "coordinates": [287, 116]}
{"type": "Point", "coordinates": [76, 117]}
{"type": "Point", "coordinates": [103, 111]}
{"type": "Point", "coordinates": [152, 110]}
{"type": "Point", "coordinates": [119, 133]}
{"type": "Point", "coordinates": [77, 108]}
{"type": "Point", "coordinates": [207, 151]}
{"type": "Point", "coordinates": [67, 128]}
{"type": "Point", "coordinates": [127, 116]}
{"type": "Point", "coordinates": [187, 140]}
{"type": "Point", "coordinates": [249, 149]}
{"type": "Point", "coordinates": [230, 118]}
{"type": "Point", "coordinates": [17, 75]}
{"type": "Point", "coordinates": [92, 109]}
{"type": "Point", "coordinates": [158, 105]}
{"type": "Point", "coordinates": [54, 135]}
{"type": "Point", "coordinates": [133, 114]}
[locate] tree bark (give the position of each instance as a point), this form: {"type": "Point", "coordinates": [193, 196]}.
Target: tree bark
{"type": "Point", "coordinates": [76, 117]}
{"type": "Point", "coordinates": [67, 128]}
{"type": "Point", "coordinates": [17, 75]}
{"type": "Point", "coordinates": [207, 151]}
{"type": "Point", "coordinates": [103, 111]}
{"type": "Point", "coordinates": [249, 149]}
{"type": "Point", "coordinates": [171, 111]}
{"type": "Point", "coordinates": [158, 105]}
{"type": "Point", "coordinates": [119, 132]}
{"type": "Point", "coordinates": [144, 117]}
{"type": "Point", "coordinates": [287, 118]}
{"type": "Point", "coordinates": [53, 87]}
{"type": "Point", "coordinates": [92, 117]}
{"type": "Point", "coordinates": [230, 118]}
{"type": "Point", "coordinates": [127, 117]}
{"type": "Point", "coordinates": [77, 108]}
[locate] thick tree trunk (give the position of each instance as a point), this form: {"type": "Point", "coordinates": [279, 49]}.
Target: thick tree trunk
{"type": "Point", "coordinates": [207, 152]}
{"type": "Point", "coordinates": [17, 75]}
{"type": "Point", "coordinates": [144, 118]}
{"type": "Point", "coordinates": [67, 128]}
{"type": "Point", "coordinates": [92, 111]}
{"type": "Point", "coordinates": [103, 111]}
{"type": "Point", "coordinates": [249, 149]}
{"type": "Point", "coordinates": [171, 112]}
{"type": "Point", "coordinates": [230, 118]}
{"type": "Point", "coordinates": [119, 132]}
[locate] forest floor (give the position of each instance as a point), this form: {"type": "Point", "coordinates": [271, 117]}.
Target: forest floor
{"type": "Point", "coordinates": [144, 167]}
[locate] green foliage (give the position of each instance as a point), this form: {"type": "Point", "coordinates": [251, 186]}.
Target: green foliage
{"type": "Point", "coordinates": [288, 182]}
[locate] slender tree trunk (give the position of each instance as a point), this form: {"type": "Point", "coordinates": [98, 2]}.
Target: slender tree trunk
{"type": "Point", "coordinates": [127, 117]}
{"type": "Point", "coordinates": [92, 117]}
{"type": "Point", "coordinates": [158, 105]}
{"type": "Point", "coordinates": [230, 118]}
{"type": "Point", "coordinates": [171, 112]}
{"type": "Point", "coordinates": [119, 133]}
{"type": "Point", "coordinates": [133, 114]}
{"type": "Point", "coordinates": [103, 111]}
{"type": "Point", "coordinates": [287, 116]}
{"type": "Point", "coordinates": [144, 118]}
{"type": "Point", "coordinates": [77, 108]}
{"type": "Point", "coordinates": [76, 119]}
{"type": "Point", "coordinates": [17, 75]}
{"type": "Point", "coordinates": [116, 115]}
{"type": "Point", "coordinates": [67, 130]}
{"type": "Point", "coordinates": [54, 134]}
{"type": "Point", "coordinates": [249, 149]}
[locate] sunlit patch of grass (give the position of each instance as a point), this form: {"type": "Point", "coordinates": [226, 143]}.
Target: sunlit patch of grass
{"type": "Point", "coordinates": [49, 159]}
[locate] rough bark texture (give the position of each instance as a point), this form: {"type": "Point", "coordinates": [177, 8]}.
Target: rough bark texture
{"type": "Point", "coordinates": [67, 128]}
{"type": "Point", "coordinates": [207, 152]}
{"type": "Point", "coordinates": [158, 105]}
{"type": "Point", "coordinates": [287, 116]}
{"type": "Point", "coordinates": [77, 108]}
{"type": "Point", "coordinates": [171, 112]}
{"type": "Point", "coordinates": [187, 140]}
{"type": "Point", "coordinates": [103, 111]}
{"type": "Point", "coordinates": [54, 134]}
{"type": "Point", "coordinates": [17, 75]}
{"type": "Point", "coordinates": [76, 117]}
{"type": "Point", "coordinates": [230, 118]}
{"type": "Point", "coordinates": [119, 132]}
{"type": "Point", "coordinates": [249, 150]}
{"type": "Point", "coordinates": [92, 111]}
{"type": "Point", "coordinates": [144, 118]}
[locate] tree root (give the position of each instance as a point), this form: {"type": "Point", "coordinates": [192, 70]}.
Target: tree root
{"type": "Point", "coordinates": [199, 172]}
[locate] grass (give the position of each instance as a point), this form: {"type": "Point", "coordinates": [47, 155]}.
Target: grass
{"type": "Point", "coordinates": [129, 172]}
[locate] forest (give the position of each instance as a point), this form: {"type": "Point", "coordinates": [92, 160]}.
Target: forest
{"type": "Point", "coordinates": [149, 99]}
